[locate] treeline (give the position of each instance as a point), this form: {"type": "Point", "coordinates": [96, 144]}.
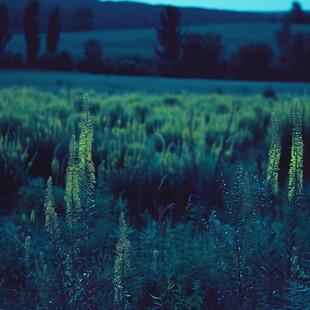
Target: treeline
{"type": "Point", "coordinates": [180, 54]}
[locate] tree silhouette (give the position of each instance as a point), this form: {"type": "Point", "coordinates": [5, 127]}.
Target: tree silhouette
{"type": "Point", "coordinates": [202, 56]}
{"type": "Point", "coordinates": [5, 35]}
{"type": "Point", "coordinates": [31, 30]}
{"type": "Point", "coordinates": [252, 62]}
{"type": "Point", "coordinates": [92, 60]}
{"type": "Point", "coordinates": [297, 15]}
{"type": "Point", "coordinates": [169, 37]}
{"type": "Point", "coordinates": [53, 30]}
{"type": "Point", "coordinates": [293, 62]}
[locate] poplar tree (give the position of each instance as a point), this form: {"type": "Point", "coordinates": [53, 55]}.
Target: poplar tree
{"type": "Point", "coordinates": [53, 31]}
{"type": "Point", "coordinates": [5, 35]}
{"type": "Point", "coordinates": [31, 30]}
{"type": "Point", "coordinates": [170, 38]}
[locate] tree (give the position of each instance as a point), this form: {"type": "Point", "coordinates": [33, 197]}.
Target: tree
{"type": "Point", "coordinates": [31, 30]}
{"type": "Point", "coordinates": [53, 30]}
{"type": "Point", "coordinates": [92, 61]}
{"type": "Point", "coordinates": [93, 51]}
{"type": "Point", "coordinates": [297, 15]}
{"type": "Point", "coordinates": [202, 55]}
{"type": "Point", "coordinates": [170, 38]}
{"type": "Point", "coordinates": [5, 35]}
{"type": "Point", "coordinates": [293, 62]}
{"type": "Point", "coordinates": [252, 62]}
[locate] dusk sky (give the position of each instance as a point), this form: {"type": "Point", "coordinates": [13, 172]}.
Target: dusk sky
{"type": "Point", "coordinates": [242, 5]}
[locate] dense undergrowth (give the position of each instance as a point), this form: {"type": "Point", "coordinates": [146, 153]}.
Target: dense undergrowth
{"type": "Point", "coordinates": [153, 202]}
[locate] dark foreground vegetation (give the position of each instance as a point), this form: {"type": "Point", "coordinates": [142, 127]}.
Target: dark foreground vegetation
{"type": "Point", "coordinates": [153, 202]}
{"type": "Point", "coordinates": [178, 54]}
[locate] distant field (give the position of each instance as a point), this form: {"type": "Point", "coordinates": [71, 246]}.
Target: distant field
{"type": "Point", "coordinates": [119, 43]}
{"type": "Point", "coordinates": [54, 81]}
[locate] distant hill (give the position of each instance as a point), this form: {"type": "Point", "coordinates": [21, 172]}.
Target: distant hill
{"type": "Point", "coordinates": [128, 15]}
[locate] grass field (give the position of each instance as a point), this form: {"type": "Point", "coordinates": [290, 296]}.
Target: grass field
{"type": "Point", "coordinates": [157, 164]}
{"type": "Point", "coordinates": [54, 81]}
{"type": "Point", "coordinates": [119, 43]}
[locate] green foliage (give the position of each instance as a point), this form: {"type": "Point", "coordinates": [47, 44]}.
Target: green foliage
{"type": "Point", "coordinates": [27, 251]}
{"type": "Point", "coordinates": [86, 169]}
{"type": "Point", "coordinates": [295, 185]}
{"type": "Point", "coordinates": [122, 267]}
{"type": "Point", "coordinates": [252, 254]}
{"type": "Point", "coordinates": [274, 157]}
{"type": "Point", "coordinates": [73, 210]}
{"type": "Point", "coordinates": [298, 292]}
{"type": "Point", "coordinates": [14, 167]}
{"type": "Point", "coordinates": [73, 204]}
{"type": "Point", "coordinates": [51, 220]}
{"type": "Point", "coordinates": [139, 150]}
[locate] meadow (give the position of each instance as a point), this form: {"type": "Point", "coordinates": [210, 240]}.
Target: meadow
{"type": "Point", "coordinates": [153, 200]}
{"type": "Point", "coordinates": [54, 81]}
{"type": "Point", "coordinates": [141, 42]}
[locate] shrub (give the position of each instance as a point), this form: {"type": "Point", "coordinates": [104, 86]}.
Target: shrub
{"type": "Point", "coordinates": [10, 60]}
{"type": "Point", "coordinates": [269, 92]}
{"type": "Point", "coordinates": [60, 61]}
{"type": "Point", "coordinates": [133, 65]}
{"type": "Point", "coordinates": [64, 61]}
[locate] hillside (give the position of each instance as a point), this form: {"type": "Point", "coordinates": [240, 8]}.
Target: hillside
{"type": "Point", "coordinates": [127, 15]}
{"type": "Point", "coordinates": [141, 42]}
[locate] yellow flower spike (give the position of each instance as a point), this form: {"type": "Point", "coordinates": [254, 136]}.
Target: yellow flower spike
{"type": "Point", "coordinates": [32, 216]}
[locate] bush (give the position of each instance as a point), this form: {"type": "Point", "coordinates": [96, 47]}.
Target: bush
{"type": "Point", "coordinates": [64, 61]}
{"type": "Point", "coordinates": [10, 60]}
{"type": "Point", "coordinates": [60, 61]}
{"type": "Point", "coordinates": [134, 65]}
{"type": "Point", "coordinates": [48, 60]}
{"type": "Point", "coordinates": [269, 92]}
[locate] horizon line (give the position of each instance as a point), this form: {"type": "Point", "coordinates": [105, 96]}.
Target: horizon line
{"type": "Point", "coordinates": [202, 7]}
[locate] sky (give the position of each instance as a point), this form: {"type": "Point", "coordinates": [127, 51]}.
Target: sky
{"type": "Point", "coordinates": [239, 5]}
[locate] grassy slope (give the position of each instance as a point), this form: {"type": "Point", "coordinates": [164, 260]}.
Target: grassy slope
{"type": "Point", "coordinates": [126, 15]}
{"type": "Point", "coordinates": [119, 43]}
{"type": "Point", "coordinates": [53, 81]}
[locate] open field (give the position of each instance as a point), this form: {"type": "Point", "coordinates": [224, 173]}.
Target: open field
{"type": "Point", "coordinates": [157, 164]}
{"type": "Point", "coordinates": [153, 193]}
{"type": "Point", "coordinates": [141, 42]}
{"type": "Point", "coordinates": [54, 81]}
